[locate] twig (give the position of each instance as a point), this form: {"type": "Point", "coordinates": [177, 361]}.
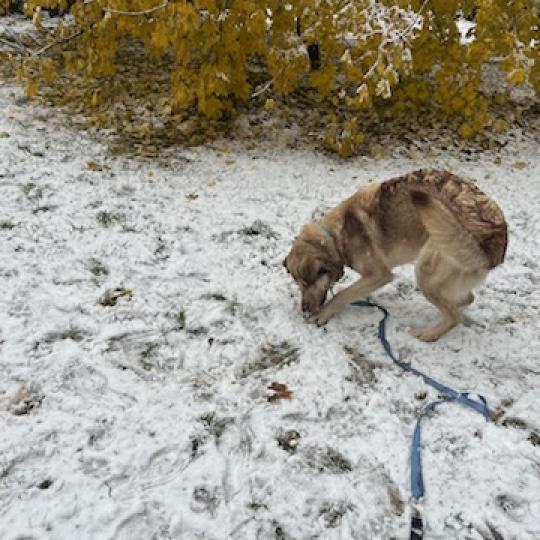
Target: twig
{"type": "Point", "coordinates": [13, 45]}
{"type": "Point", "coordinates": [57, 42]}
{"type": "Point", "coordinates": [137, 13]}
{"type": "Point", "coordinates": [263, 89]}
{"type": "Point", "coordinates": [15, 38]}
{"type": "Point", "coordinates": [416, 20]}
{"type": "Point", "coordinates": [33, 38]}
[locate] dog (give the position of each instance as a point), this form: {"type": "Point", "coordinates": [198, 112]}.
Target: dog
{"type": "Point", "coordinates": [453, 232]}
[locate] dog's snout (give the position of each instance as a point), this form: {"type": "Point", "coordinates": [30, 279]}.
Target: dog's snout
{"type": "Point", "coordinates": [312, 301]}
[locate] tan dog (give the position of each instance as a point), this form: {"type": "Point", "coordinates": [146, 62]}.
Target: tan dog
{"type": "Point", "coordinates": [455, 233]}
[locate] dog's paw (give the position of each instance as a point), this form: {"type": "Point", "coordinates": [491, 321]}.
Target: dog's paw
{"type": "Point", "coordinates": [321, 318]}
{"type": "Point", "coordinates": [425, 334]}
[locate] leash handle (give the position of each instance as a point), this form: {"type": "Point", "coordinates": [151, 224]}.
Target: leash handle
{"type": "Point", "coordinates": [417, 526]}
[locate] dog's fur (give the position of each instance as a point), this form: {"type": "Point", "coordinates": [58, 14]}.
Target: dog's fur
{"type": "Point", "coordinates": [453, 231]}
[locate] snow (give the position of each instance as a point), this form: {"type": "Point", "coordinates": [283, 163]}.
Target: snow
{"type": "Point", "coordinates": [150, 418]}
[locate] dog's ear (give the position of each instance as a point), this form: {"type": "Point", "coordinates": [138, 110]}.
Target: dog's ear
{"type": "Point", "coordinates": [334, 268]}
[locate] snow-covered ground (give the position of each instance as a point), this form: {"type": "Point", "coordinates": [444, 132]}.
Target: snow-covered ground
{"type": "Point", "coordinates": [150, 418]}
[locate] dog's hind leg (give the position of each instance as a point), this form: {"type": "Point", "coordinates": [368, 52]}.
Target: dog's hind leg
{"type": "Point", "coordinates": [450, 266]}
{"type": "Point", "coordinates": [446, 287]}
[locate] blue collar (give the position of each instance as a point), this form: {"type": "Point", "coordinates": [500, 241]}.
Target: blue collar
{"type": "Point", "coordinates": [326, 230]}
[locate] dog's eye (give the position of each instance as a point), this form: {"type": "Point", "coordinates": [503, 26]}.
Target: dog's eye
{"type": "Point", "coordinates": [322, 271]}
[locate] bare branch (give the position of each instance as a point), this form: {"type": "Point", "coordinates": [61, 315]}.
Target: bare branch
{"type": "Point", "coordinates": [263, 89]}
{"type": "Point", "coordinates": [9, 37]}
{"type": "Point", "coordinates": [408, 30]}
{"type": "Point", "coordinates": [56, 42]}
{"type": "Point", "coordinates": [137, 13]}
{"type": "Point", "coordinates": [13, 45]}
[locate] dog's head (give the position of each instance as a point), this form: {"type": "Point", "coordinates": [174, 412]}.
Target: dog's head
{"type": "Point", "coordinates": [315, 265]}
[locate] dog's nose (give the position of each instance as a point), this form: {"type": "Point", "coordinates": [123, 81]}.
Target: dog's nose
{"type": "Point", "coordinates": [305, 306]}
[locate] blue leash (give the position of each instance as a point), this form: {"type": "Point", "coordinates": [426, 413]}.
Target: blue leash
{"type": "Point", "coordinates": [450, 395]}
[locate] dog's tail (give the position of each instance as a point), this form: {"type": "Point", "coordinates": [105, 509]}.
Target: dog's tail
{"type": "Point", "coordinates": [466, 233]}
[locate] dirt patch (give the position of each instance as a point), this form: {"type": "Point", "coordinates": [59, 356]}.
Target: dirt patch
{"type": "Point", "coordinates": [364, 370]}
{"type": "Point", "coordinates": [289, 440]}
{"type": "Point", "coordinates": [333, 512]}
{"type": "Point", "coordinates": [272, 355]}
{"type": "Point", "coordinates": [325, 460]}
{"type": "Point", "coordinates": [111, 296]}
{"type": "Point", "coordinates": [214, 425]}
{"type": "Point", "coordinates": [25, 401]}
{"type": "Point", "coordinates": [534, 438]}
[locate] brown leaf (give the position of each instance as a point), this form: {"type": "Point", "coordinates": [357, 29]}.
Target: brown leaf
{"type": "Point", "coordinates": [281, 391]}
{"type": "Point", "coordinates": [93, 166]}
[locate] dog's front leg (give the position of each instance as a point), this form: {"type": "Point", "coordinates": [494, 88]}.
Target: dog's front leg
{"type": "Point", "coordinates": [357, 291]}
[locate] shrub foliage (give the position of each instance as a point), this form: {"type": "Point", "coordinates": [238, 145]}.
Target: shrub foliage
{"type": "Point", "coordinates": [391, 56]}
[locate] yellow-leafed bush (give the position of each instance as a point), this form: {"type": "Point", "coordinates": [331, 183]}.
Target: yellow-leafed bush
{"type": "Point", "coordinates": [391, 56]}
{"type": "Point", "coordinates": [4, 6]}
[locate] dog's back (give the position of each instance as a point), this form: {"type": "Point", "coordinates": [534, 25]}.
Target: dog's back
{"type": "Point", "coordinates": [456, 214]}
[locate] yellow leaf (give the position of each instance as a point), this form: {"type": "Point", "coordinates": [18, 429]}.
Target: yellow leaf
{"type": "Point", "coordinates": [500, 125]}
{"type": "Point", "coordinates": [324, 79]}
{"type": "Point", "coordinates": [31, 88]}
{"type": "Point", "coordinates": [160, 40]}
{"type": "Point", "coordinates": [516, 76]}
{"type": "Point", "coordinates": [363, 93]}
{"type": "Point", "coordinates": [466, 130]}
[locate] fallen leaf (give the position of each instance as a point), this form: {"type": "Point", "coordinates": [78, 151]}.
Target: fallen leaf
{"type": "Point", "coordinates": [93, 166]}
{"type": "Point", "coordinates": [281, 391]}
{"type": "Point", "coordinates": [520, 165]}
{"type": "Point", "coordinates": [110, 298]}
